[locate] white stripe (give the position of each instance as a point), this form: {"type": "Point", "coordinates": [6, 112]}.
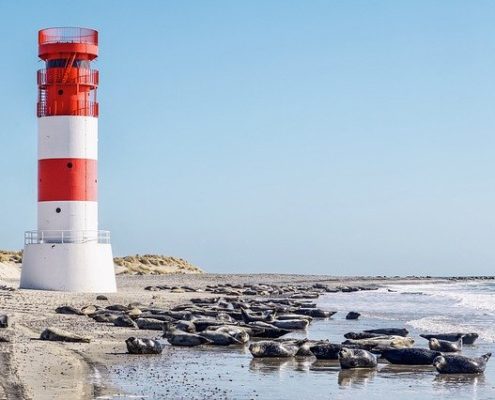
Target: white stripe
{"type": "Point", "coordinates": [68, 137]}
{"type": "Point", "coordinates": [73, 215]}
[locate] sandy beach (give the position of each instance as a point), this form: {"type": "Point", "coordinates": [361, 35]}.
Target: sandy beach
{"type": "Point", "coordinates": [55, 370]}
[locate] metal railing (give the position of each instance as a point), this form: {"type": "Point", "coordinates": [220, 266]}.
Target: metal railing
{"type": "Point", "coordinates": [67, 35]}
{"type": "Point", "coordinates": [39, 237]}
{"type": "Point", "coordinates": [54, 76]}
{"type": "Point", "coordinates": [86, 108]}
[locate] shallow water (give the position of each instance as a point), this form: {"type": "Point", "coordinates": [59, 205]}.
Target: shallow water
{"type": "Point", "coordinates": [231, 373]}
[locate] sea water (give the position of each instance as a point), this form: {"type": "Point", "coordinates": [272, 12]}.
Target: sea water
{"type": "Point", "coordinates": [232, 373]}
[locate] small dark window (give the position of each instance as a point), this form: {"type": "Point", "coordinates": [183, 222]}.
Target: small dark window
{"type": "Point", "coordinates": [69, 165]}
{"type": "Point", "coordinates": [60, 92]}
{"type": "Point", "coordinates": [58, 210]}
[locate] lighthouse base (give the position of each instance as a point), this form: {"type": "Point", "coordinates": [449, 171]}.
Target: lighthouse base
{"type": "Point", "coordinates": [68, 267]}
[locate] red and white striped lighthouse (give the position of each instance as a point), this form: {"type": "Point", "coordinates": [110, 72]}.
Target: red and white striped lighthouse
{"type": "Point", "coordinates": [68, 252]}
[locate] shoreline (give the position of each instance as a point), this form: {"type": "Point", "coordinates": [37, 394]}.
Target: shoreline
{"type": "Point", "coordinates": [55, 370]}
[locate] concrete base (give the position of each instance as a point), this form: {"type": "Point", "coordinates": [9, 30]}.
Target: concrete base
{"type": "Point", "coordinates": [68, 267]}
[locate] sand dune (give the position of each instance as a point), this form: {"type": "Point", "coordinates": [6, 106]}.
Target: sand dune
{"type": "Point", "coordinates": [10, 265]}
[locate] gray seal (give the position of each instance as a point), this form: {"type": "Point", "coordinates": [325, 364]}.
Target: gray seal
{"type": "Point", "coordinates": [389, 331]}
{"type": "Point", "coordinates": [412, 356]}
{"type": "Point", "coordinates": [356, 358]}
{"type": "Point", "coordinates": [352, 315]}
{"type": "Point", "coordinates": [326, 351]}
{"type": "Point", "coordinates": [143, 346]}
{"type": "Point", "coordinates": [455, 364]}
{"type": "Point", "coordinates": [219, 338]}
{"type": "Point", "coordinates": [467, 338]}
{"type": "Point", "coordinates": [291, 324]}
{"type": "Point", "coordinates": [445, 346]}
{"type": "Point", "coordinates": [270, 348]}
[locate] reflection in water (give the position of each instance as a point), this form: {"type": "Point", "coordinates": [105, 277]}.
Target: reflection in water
{"type": "Point", "coordinates": [356, 377]}
{"type": "Point", "coordinates": [452, 381]}
{"type": "Point", "coordinates": [403, 371]}
{"type": "Point", "coordinates": [269, 365]}
{"type": "Point", "coordinates": [300, 364]}
{"type": "Point", "coordinates": [325, 365]}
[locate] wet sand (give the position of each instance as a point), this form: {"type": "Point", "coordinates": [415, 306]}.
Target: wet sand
{"type": "Point", "coordinates": [52, 370]}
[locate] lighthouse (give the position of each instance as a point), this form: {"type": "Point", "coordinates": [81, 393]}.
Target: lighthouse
{"type": "Point", "coordinates": [68, 252]}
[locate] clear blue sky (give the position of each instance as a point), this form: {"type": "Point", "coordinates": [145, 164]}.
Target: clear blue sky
{"type": "Point", "coordinates": [340, 137]}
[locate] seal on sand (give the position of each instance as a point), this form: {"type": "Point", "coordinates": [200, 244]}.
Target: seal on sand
{"type": "Point", "coordinates": [143, 346]}
{"type": "Point", "coordinates": [445, 346]}
{"type": "Point", "coordinates": [270, 348]}
{"type": "Point", "coordinates": [356, 358]}
{"type": "Point", "coordinates": [412, 356]}
{"type": "Point", "coordinates": [455, 364]}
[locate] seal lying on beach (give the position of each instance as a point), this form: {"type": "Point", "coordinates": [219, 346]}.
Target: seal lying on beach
{"type": "Point", "coordinates": [180, 338]}
{"type": "Point", "coordinates": [143, 346]}
{"type": "Point", "coordinates": [238, 333]}
{"type": "Point", "coordinates": [455, 364]}
{"type": "Point", "coordinates": [269, 348]}
{"type": "Point", "coordinates": [326, 351]}
{"type": "Point", "coordinates": [389, 331]}
{"type": "Point", "coordinates": [252, 317]}
{"type": "Point", "coordinates": [445, 346]}
{"type": "Point", "coordinates": [397, 342]}
{"type": "Point", "coordinates": [361, 335]}
{"type": "Point", "coordinates": [292, 324]}
{"type": "Point", "coordinates": [219, 338]}
{"type": "Point", "coordinates": [356, 358]}
{"type": "Point", "coordinates": [59, 335]}
{"type": "Point", "coordinates": [412, 356]}
{"type": "Point", "coordinates": [467, 338]}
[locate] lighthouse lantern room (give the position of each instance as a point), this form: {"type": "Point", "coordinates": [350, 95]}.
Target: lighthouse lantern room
{"type": "Point", "coordinates": [68, 252]}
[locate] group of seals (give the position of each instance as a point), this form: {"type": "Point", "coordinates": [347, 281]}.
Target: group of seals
{"type": "Point", "coordinates": [234, 320]}
{"type": "Point", "coordinates": [249, 289]}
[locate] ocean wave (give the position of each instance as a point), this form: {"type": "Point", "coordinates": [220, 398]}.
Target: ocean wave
{"type": "Point", "coordinates": [444, 324]}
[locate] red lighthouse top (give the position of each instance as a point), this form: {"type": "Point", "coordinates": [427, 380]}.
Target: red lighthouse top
{"type": "Point", "coordinates": [54, 42]}
{"type": "Point", "coordinates": [68, 83]}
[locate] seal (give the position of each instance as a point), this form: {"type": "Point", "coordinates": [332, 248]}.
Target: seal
{"type": "Point", "coordinates": [389, 331]}
{"type": "Point", "coordinates": [237, 333]}
{"type": "Point", "coordinates": [270, 348]}
{"type": "Point", "coordinates": [467, 338]}
{"type": "Point", "coordinates": [143, 346]}
{"type": "Point", "coordinates": [455, 364]}
{"type": "Point", "coordinates": [180, 338]}
{"type": "Point", "coordinates": [352, 315]}
{"type": "Point", "coordinates": [397, 342]}
{"type": "Point", "coordinates": [326, 351]}
{"type": "Point", "coordinates": [219, 338]}
{"type": "Point", "coordinates": [445, 346]}
{"type": "Point", "coordinates": [356, 358]}
{"type": "Point", "coordinates": [412, 356]}
{"type": "Point", "coordinates": [291, 324]}
{"type": "Point", "coordinates": [361, 335]}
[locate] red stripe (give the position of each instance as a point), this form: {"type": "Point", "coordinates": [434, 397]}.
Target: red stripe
{"type": "Point", "coordinates": [67, 179]}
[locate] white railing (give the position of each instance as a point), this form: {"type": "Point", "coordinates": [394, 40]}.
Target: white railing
{"type": "Point", "coordinates": [38, 237]}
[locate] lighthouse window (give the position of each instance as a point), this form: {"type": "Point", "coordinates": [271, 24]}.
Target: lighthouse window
{"type": "Point", "coordinates": [62, 63]}
{"type": "Point", "coordinates": [58, 210]}
{"type": "Point", "coordinates": [69, 165]}
{"type": "Point", "coordinates": [81, 64]}
{"type": "Point", "coordinates": [60, 92]}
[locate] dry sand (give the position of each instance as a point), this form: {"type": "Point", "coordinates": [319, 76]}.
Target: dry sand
{"type": "Point", "coordinates": [52, 370]}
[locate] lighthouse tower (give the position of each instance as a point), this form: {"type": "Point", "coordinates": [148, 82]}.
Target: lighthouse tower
{"type": "Point", "coordinates": [68, 252]}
